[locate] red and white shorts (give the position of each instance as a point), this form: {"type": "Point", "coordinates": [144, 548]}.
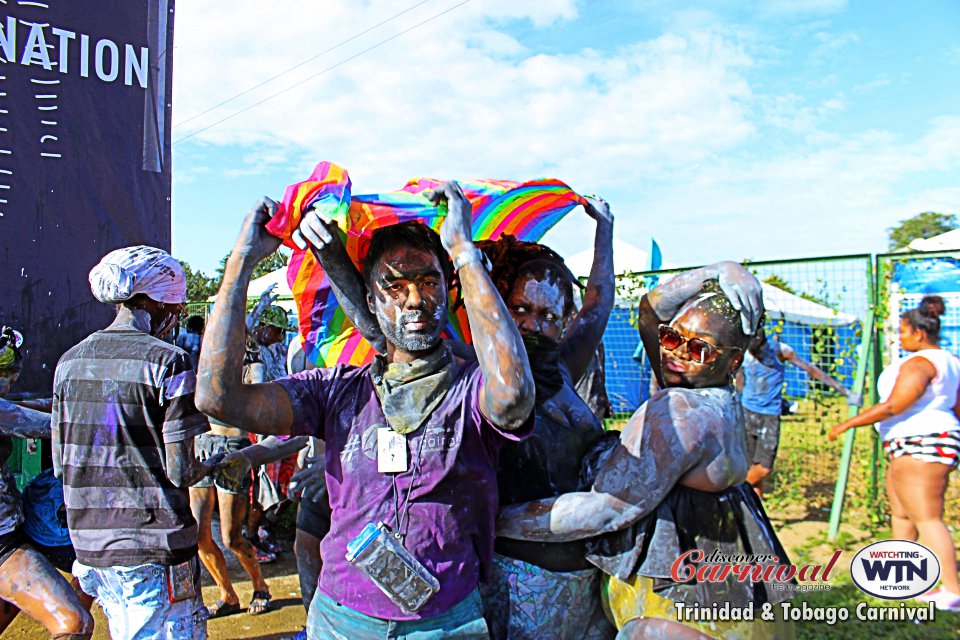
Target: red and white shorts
{"type": "Point", "coordinates": [943, 447]}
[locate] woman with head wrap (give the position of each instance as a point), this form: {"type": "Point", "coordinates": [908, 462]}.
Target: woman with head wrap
{"type": "Point", "coordinates": [28, 581]}
{"type": "Point", "coordinates": [919, 422]}
{"type": "Point", "coordinates": [124, 423]}
{"type": "Point", "coordinates": [674, 481]}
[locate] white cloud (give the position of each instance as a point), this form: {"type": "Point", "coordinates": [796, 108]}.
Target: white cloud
{"type": "Point", "coordinates": [435, 102]}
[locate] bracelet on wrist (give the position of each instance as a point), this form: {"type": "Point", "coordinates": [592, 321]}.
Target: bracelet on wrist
{"type": "Point", "coordinates": [470, 256]}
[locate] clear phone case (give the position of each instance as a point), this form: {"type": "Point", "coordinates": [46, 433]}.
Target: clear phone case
{"type": "Point", "coordinates": [377, 553]}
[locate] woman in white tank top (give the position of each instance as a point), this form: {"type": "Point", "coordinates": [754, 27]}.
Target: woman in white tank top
{"type": "Point", "coordinates": [919, 421]}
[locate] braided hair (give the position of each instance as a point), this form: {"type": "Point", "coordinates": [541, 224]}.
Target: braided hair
{"type": "Point", "coordinates": [511, 259]}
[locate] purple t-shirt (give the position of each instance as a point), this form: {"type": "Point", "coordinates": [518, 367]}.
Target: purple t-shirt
{"type": "Point", "coordinates": [453, 502]}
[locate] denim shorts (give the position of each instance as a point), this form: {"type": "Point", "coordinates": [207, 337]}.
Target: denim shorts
{"type": "Point", "coordinates": [137, 603]}
{"type": "Point", "coordinates": [329, 620]}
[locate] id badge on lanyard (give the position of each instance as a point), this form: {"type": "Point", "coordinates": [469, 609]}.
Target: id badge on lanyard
{"type": "Point", "coordinates": [391, 451]}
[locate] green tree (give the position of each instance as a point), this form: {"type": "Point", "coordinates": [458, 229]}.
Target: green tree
{"type": "Point", "coordinates": [199, 285]}
{"type": "Point", "coordinates": [922, 225]}
{"type": "Point", "coordinates": [271, 263]}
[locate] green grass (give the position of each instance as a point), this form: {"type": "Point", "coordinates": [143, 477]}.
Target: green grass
{"type": "Point", "coordinates": [844, 593]}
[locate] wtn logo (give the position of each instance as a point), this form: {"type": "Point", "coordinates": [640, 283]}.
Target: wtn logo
{"type": "Point", "coordinates": [902, 570]}
{"type": "Point", "coordinates": [895, 569]}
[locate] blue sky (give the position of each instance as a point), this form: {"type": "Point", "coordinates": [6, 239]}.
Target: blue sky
{"type": "Point", "coordinates": [762, 130]}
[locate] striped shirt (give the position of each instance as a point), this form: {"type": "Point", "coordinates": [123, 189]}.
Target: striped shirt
{"type": "Point", "coordinates": [119, 396]}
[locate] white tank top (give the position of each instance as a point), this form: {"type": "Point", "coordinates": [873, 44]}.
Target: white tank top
{"type": "Point", "coordinates": [932, 413]}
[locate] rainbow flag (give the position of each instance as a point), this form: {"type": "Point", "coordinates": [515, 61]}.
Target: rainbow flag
{"type": "Point", "coordinates": [526, 210]}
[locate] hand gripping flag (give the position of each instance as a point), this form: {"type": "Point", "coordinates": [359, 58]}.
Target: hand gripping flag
{"type": "Point", "coordinates": [526, 210]}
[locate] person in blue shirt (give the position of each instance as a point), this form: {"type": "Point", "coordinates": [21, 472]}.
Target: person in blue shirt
{"type": "Point", "coordinates": [761, 383]}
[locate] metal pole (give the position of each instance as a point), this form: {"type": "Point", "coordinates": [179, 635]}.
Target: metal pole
{"type": "Point", "coordinates": [866, 355]}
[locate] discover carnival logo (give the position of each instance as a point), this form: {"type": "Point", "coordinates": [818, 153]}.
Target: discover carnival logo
{"type": "Point", "coordinates": [895, 569]}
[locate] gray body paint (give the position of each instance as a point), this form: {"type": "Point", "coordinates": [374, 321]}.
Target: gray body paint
{"type": "Point", "coordinates": [691, 437]}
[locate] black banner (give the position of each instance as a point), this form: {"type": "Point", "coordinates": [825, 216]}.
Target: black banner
{"type": "Point", "coordinates": [85, 95]}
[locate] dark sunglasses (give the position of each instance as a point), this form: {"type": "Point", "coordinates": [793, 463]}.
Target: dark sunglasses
{"type": "Point", "coordinates": [700, 350]}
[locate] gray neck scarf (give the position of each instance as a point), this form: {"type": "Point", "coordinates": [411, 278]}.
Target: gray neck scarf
{"type": "Point", "coordinates": [410, 391]}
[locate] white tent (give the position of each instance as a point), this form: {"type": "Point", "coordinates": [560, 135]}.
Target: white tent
{"type": "Point", "coordinates": [626, 258]}
{"type": "Point", "coordinates": [782, 305]}
{"type": "Point", "coordinates": [949, 241]}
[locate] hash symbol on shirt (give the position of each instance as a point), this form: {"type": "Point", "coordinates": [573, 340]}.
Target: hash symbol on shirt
{"type": "Point", "coordinates": [351, 449]}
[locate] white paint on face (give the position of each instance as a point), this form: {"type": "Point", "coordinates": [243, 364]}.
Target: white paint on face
{"type": "Point", "coordinates": [536, 305]}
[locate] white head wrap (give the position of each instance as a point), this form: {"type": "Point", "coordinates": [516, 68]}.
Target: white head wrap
{"type": "Point", "coordinates": [126, 272]}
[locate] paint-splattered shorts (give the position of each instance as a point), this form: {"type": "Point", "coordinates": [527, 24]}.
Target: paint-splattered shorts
{"type": "Point", "coordinates": [210, 444]}
{"type": "Point", "coordinates": [763, 437]}
{"type": "Point", "coordinates": [136, 601]}
{"type": "Point", "coordinates": [936, 447]}
{"type": "Point", "coordinates": [524, 601]}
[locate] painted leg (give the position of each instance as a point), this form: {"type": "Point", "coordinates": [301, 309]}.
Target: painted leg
{"type": "Point", "coordinates": [755, 475]}
{"type": "Point", "coordinates": [50, 600]}
{"type": "Point", "coordinates": [309, 563]}
{"type": "Point", "coordinates": [232, 508]}
{"type": "Point", "coordinates": [201, 504]}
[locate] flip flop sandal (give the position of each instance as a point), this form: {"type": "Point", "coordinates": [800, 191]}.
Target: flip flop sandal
{"type": "Point", "coordinates": [260, 603]}
{"type": "Point", "coordinates": [220, 608]}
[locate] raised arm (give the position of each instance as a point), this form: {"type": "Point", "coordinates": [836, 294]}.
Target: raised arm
{"type": "Point", "coordinates": [261, 408]}
{"type": "Point", "coordinates": [914, 378]}
{"type": "Point", "coordinates": [662, 303]}
{"type": "Point", "coordinates": [786, 353]}
{"type": "Point", "coordinates": [583, 335]}
{"type": "Point", "coordinates": [267, 298]}
{"type": "Point", "coordinates": [507, 397]}
{"type": "Point", "coordinates": [320, 233]}
{"type": "Point", "coordinates": [657, 447]}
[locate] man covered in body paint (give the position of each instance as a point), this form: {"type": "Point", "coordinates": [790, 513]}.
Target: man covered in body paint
{"type": "Point", "coordinates": [675, 480]}
{"type": "Point", "coordinates": [412, 440]}
{"type": "Point", "coordinates": [49, 599]}
{"type": "Point", "coordinates": [536, 590]}
{"type": "Point", "coordinates": [124, 424]}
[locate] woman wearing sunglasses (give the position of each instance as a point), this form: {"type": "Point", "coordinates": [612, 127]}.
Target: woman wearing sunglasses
{"type": "Point", "coordinates": [674, 482]}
